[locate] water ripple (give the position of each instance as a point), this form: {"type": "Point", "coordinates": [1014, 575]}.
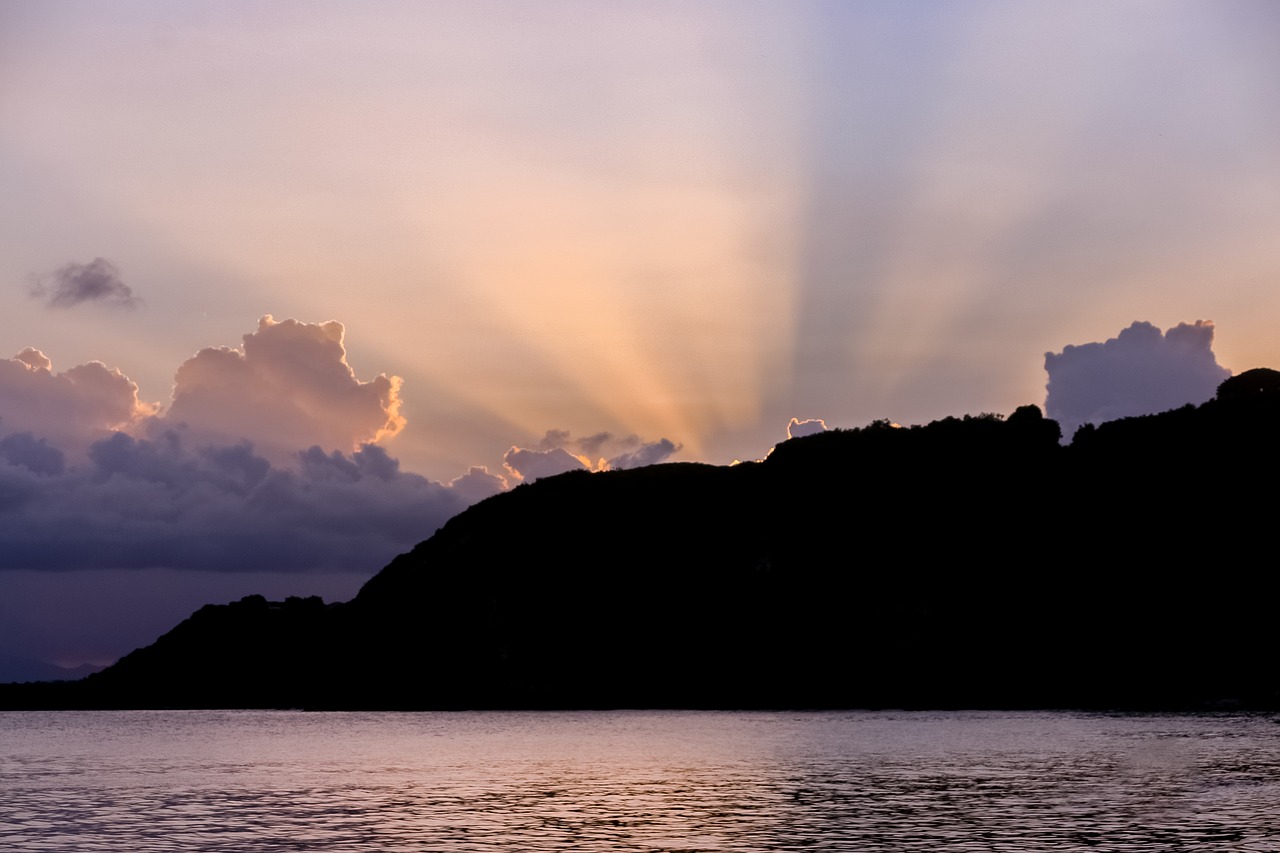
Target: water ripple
{"type": "Point", "coordinates": [637, 781]}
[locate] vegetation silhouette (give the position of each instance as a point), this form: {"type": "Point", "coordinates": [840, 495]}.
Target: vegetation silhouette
{"type": "Point", "coordinates": [969, 562]}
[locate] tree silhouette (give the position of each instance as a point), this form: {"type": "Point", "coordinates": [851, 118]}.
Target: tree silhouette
{"type": "Point", "coordinates": [1251, 383]}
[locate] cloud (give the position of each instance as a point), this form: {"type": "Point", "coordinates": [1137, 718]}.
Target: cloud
{"type": "Point", "coordinates": [70, 409]}
{"type": "Point", "coordinates": [264, 466]}
{"type": "Point", "coordinates": [25, 450]}
{"type": "Point", "coordinates": [289, 387]}
{"type": "Point", "coordinates": [558, 452]}
{"type": "Point", "coordinates": [97, 281]}
{"type": "Point", "coordinates": [555, 438]}
{"type": "Point", "coordinates": [649, 453]}
{"type": "Point", "coordinates": [530, 465]}
{"type": "Point", "coordinates": [1140, 371]}
{"type": "Point", "coordinates": [157, 502]}
{"type": "Point", "coordinates": [593, 445]}
{"type": "Point", "coordinates": [265, 460]}
{"type": "Point", "coordinates": [809, 426]}
{"type": "Point", "coordinates": [478, 484]}
{"type": "Point", "coordinates": [588, 447]}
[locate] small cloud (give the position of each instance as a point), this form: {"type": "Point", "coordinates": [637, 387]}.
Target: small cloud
{"type": "Point", "coordinates": [1141, 371]}
{"type": "Point", "coordinates": [592, 445]}
{"type": "Point", "coordinates": [810, 426]}
{"type": "Point", "coordinates": [558, 451]}
{"type": "Point", "coordinates": [589, 446]}
{"type": "Point", "coordinates": [97, 281]}
{"type": "Point", "coordinates": [477, 484]}
{"type": "Point", "coordinates": [529, 465]}
{"type": "Point", "coordinates": [33, 358]}
{"type": "Point", "coordinates": [553, 439]}
{"type": "Point", "coordinates": [650, 453]}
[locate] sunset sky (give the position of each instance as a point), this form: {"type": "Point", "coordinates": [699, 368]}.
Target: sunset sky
{"type": "Point", "coordinates": [532, 224]}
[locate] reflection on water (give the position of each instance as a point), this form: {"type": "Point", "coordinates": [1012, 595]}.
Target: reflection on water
{"type": "Point", "coordinates": [637, 781]}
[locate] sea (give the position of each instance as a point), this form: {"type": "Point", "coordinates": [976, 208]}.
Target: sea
{"type": "Point", "coordinates": [647, 781]}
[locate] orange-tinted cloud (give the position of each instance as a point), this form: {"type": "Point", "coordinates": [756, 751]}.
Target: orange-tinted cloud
{"type": "Point", "coordinates": [559, 452]}
{"type": "Point", "coordinates": [266, 459]}
{"type": "Point", "coordinates": [809, 426]}
{"type": "Point", "coordinates": [71, 408]}
{"type": "Point", "coordinates": [529, 465]}
{"type": "Point", "coordinates": [290, 387]}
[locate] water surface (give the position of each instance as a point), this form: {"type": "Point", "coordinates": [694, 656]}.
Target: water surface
{"type": "Point", "coordinates": [637, 781]}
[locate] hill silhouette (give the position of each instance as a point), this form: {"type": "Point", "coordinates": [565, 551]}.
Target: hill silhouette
{"type": "Point", "coordinates": [969, 562]}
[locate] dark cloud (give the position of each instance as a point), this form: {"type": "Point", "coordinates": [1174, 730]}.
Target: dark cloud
{"type": "Point", "coordinates": [554, 438]}
{"type": "Point", "coordinates": [97, 281]}
{"type": "Point", "coordinates": [809, 426]}
{"type": "Point", "coordinates": [155, 502]}
{"type": "Point", "coordinates": [649, 453]}
{"type": "Point", "coordinates": [1140, 371]}
{"type": "Point", "coordinates": [593, 444]}
{"type": "Point", "coordinates": [34, 454]}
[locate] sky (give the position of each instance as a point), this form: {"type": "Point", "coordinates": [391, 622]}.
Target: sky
{"type": "Point", "coordinates": [285, 285]}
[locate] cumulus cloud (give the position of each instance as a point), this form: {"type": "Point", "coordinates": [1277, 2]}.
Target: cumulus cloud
{"type": "Point", "coordinates": [157, 502]}
{"type": "Point", "coordinates": [263, 467]}
{"type": "Point", "coordinates": [97, 281]}
{"type": "Point", "coordinates": [265, 460]}
{"type": "Point", "coordinates": [1140, 371]}
{"type": "Point", "coordinates": [70, 409]}
{"type": "Point", "coordinates": [289, 387]}
{"type": "Point", "coordinates": [809, 426]}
